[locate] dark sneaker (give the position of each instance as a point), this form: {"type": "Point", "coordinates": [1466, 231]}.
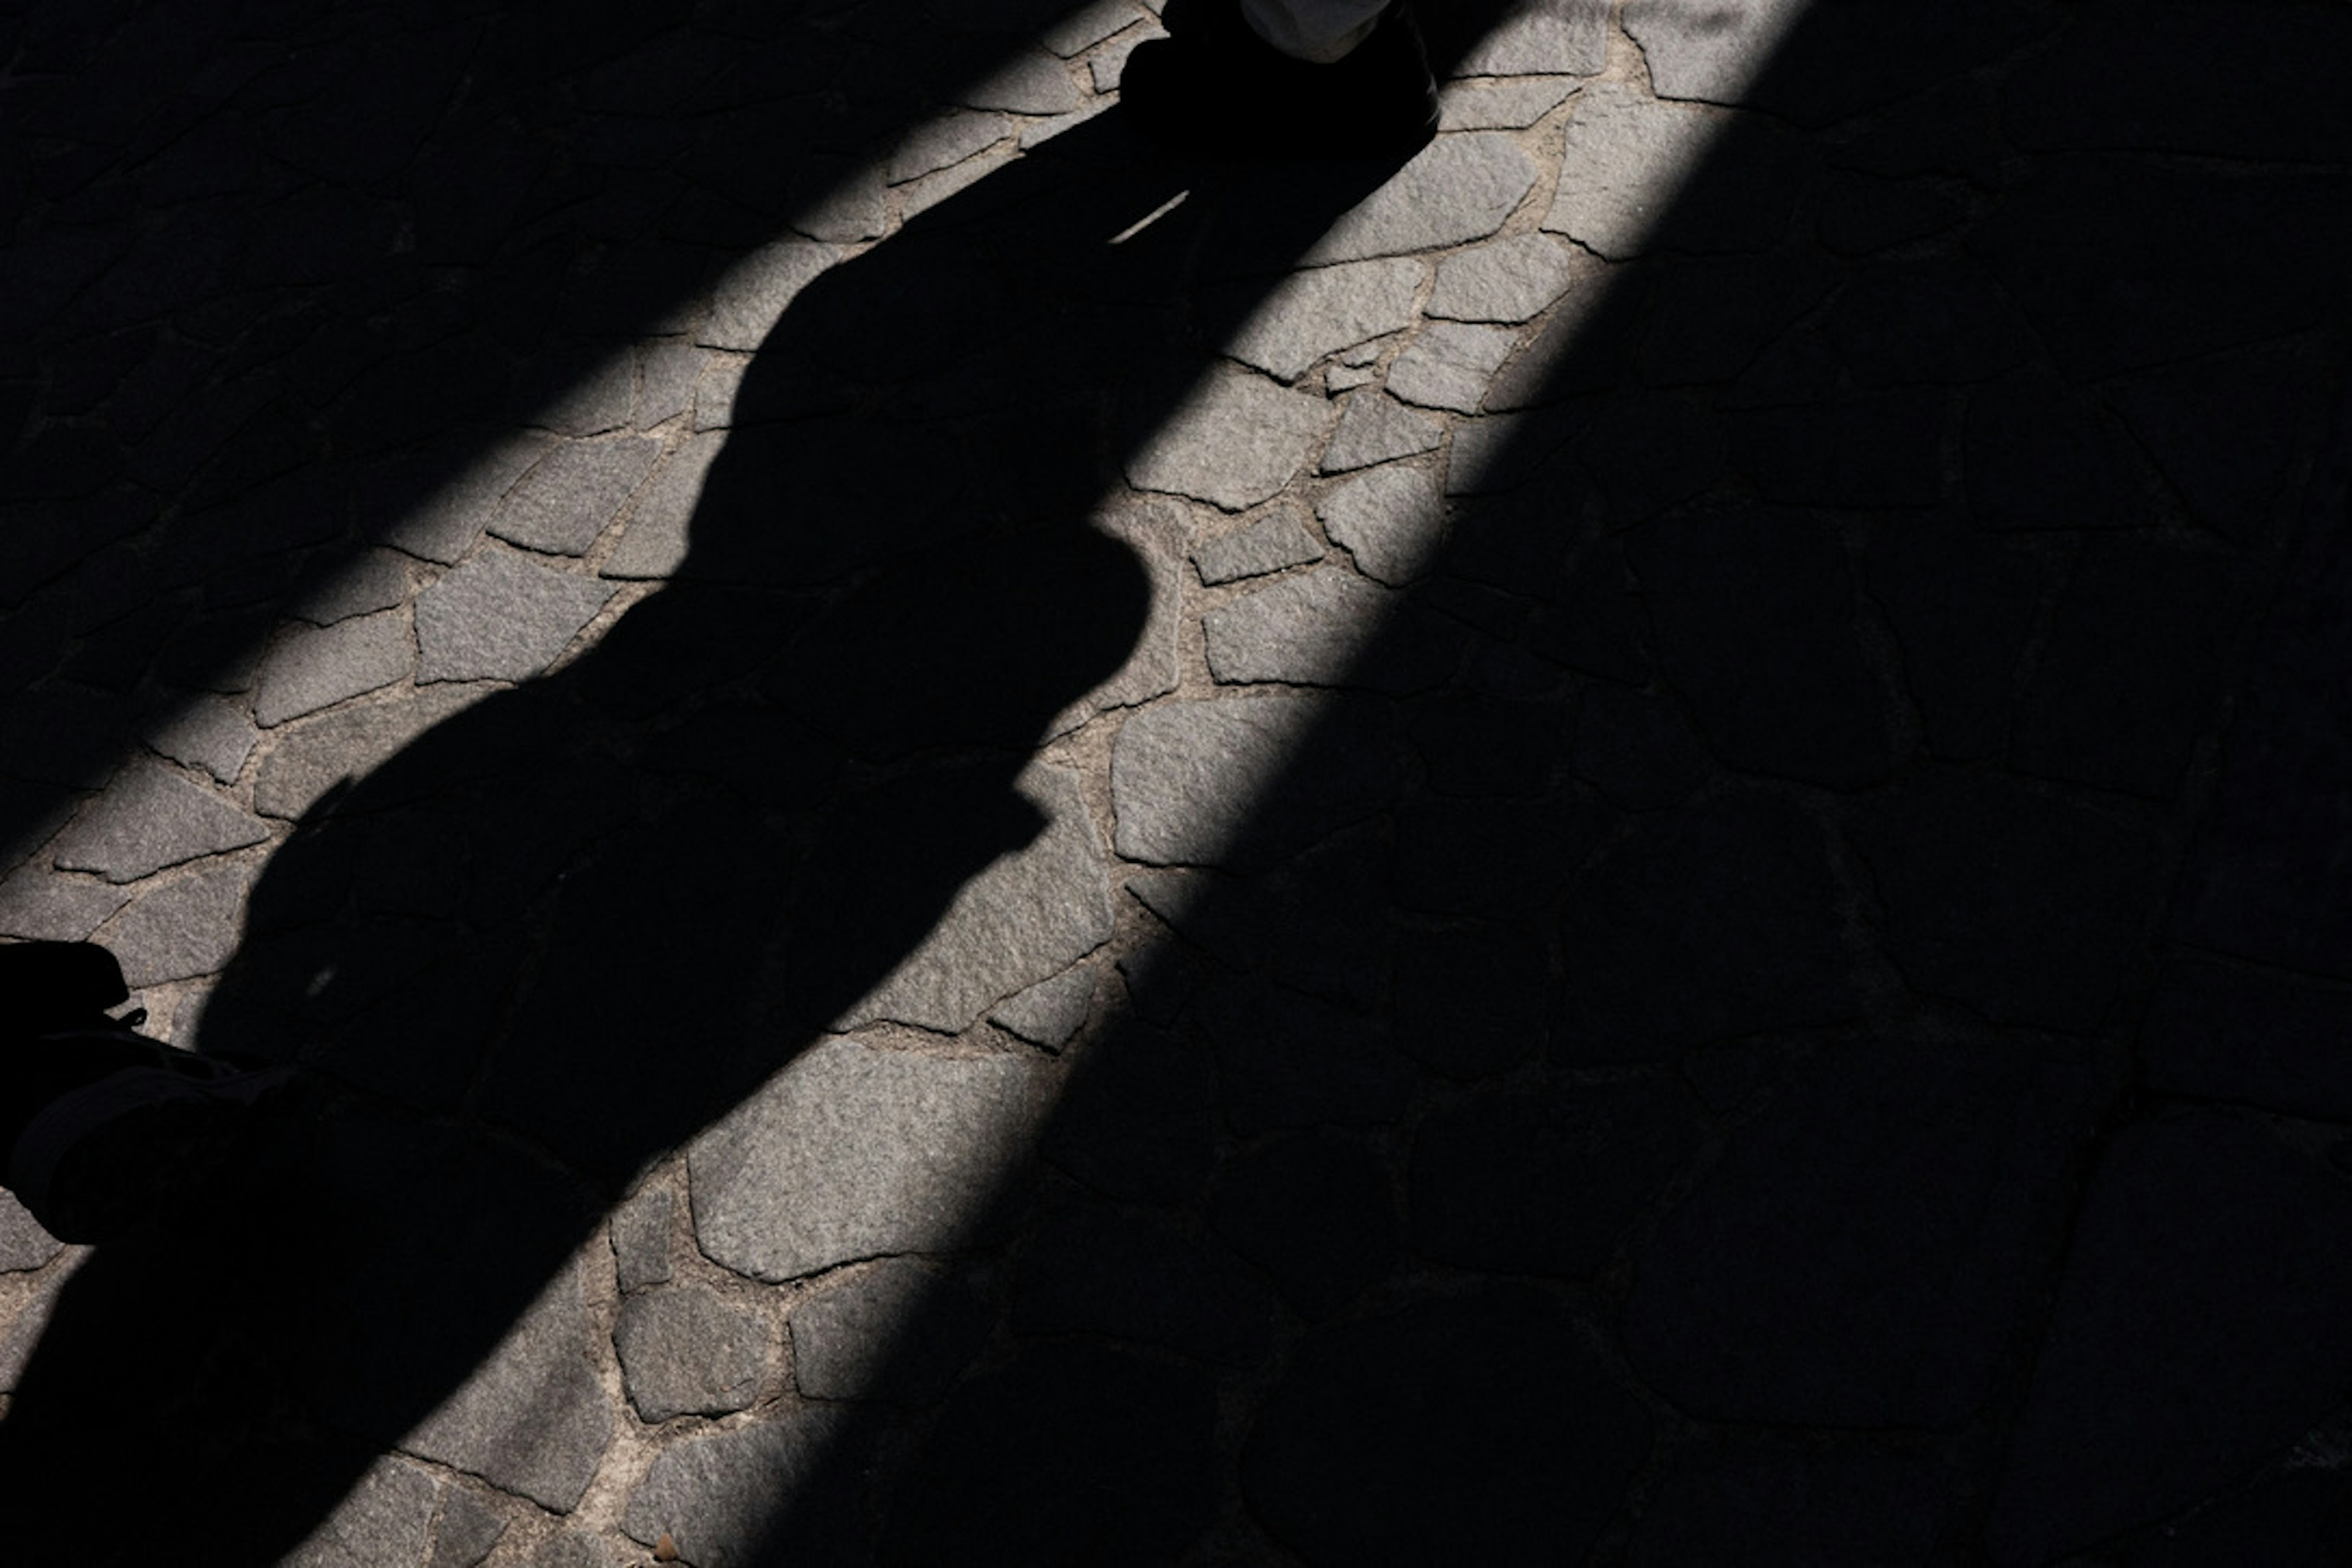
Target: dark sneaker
{"type": "Point", "coordinates": [1213, 87]}
{"type": "Point", "coordinates": [101, 1126]}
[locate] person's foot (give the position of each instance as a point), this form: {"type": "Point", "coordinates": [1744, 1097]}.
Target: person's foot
{"type": "Point", "coordinates": [1213, 87]}
{"type": "Point", "coordinates": [101, 1126]}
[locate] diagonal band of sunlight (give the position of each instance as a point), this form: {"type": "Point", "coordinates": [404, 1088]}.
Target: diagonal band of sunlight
{"type": "Point", "coordinates": [1627, 153]}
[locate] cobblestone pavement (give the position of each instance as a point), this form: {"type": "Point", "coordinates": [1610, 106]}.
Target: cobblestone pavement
{"type": "Point", "coordinates": [1628, 847]}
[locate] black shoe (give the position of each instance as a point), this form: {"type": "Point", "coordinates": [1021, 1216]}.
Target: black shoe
{"type": "Point", "coordinates": [1213, 87]}
{"type": "Point", "coordinates": [101, 1126]}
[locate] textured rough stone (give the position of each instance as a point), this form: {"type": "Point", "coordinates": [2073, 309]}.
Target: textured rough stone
{"type": "Point", "coordinates": [186, 927]}
{"type": "Point", "coordinates": [686, 1352]}
{"type": "Point", "coordinates": [574, 493]}
{"type": "Point", "coordinates": [714, 1493]}
{"type": "Point", "coordinates": [667, 369]}
{"type": "Point", "coordinates": [855, 205]}
{"type": "Point", "coordinates": [655, 541]}
{"type": "Point", "coordinates": [1305, 630]}
{"type": "Point", "coordinates": [754, 293]}
{"type": "Point", "coordinates": [896, 1329]}
{"type": "Point", "coordinates": [1546, 37]}
{"type": "Point", "coordinates": [443, 526]}
{"type": "Point", "coordinates": [929, 191]}
{"type": "Point", "coordinates": [944, 143]}
{"type": "Point", "coordinates": [641, 1239]}
{"type": "Point", "coordinates": [2197, 1328]}
{"type": "Point", "coordinates": [1505, 280]}
{"type": "Point", "coordinates": [1029, 83]}
{"type": "Point", "coordinates": [1156, 531]}
{"type": "Point", "coordinates": [1342, 378]}
{"type": "Point", "coordinates": [207, 733]}
{"type": "Point", "coordinates": [1627, 158]}
{"type": "Point", "coordinates": [1082, 29]}
{"type": "Point", "coordinates": [852, 1153]}
{"type": "Point", "coordinates": [23, 1244]}
{"type": "Point", "coordinates": [1475, 1429]}
{"type": "Point", "coordinates": [467, 1531]}
{"type": "Point", "coordinates": [501, 617]}
{"type": "Point", "coordinates": [385, 1521]}
{"type": "Point", "coordinates": [1237, 441]}
{"type": "Point", "coordinates": [1197, 782]}
{"type": "Point", "coordinates": [575, 1548]}
{"type": "Point", "coordinates": [1388, 520]}
{"type": "Point", "coordinates": [1032, 913]}
{"type": "Point", "coordinates": [308, 759]}
{"type": "Point", "coordinates": [1048, 1013]}
{"type": "Point", "coordinates": [1458, 189]}
{"type": "Point", "coordinates": [376, 580]}
{"type": "Point", "coordinates": [1709, 52]}
{"type": "Point", "coordinates": [24, 1335]}
{"type": "Point", "coordinates": [532, 1418]}
{"type": "Point", "coordinates": [585, 390]}
{"type": "Point", "coordinates": [1376, 428]}
{"type": "Point", "coordinates": [1861, 1255]}
{"type": "Point", "coordinates": [1499, 105]}
{"type": "Point", "coordinates": [151, 817]}
{"type": "Point", "coordinates": [310, 668]}
{"type": "Point", "coordinates": [1266, 545]}
{"type": "Point", "coordinates": [1321, 310]}
{"type": "Point", "coordinates": [37, 905]}
{"type": "Point", "coordinates": [1449, 365]}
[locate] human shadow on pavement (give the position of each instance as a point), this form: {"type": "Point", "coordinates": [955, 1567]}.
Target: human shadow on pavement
{"type": "Point", "coordinates": [1699, 1059]}
{"type": "Point", "coordinates": [567, 927]}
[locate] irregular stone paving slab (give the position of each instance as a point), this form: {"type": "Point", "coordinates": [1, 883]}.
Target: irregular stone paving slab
{"type": "Point", "coordinates": [944, 143]}
{"type": "Point", "coordinates": [656, 538]}
{"type": "Point", "coordinates": [207, 733]}
{"type": "Point", "coordinates": [1388, 520]}
{"type": "Point", "coordinates": [151, 817]}
{"type": "Point", "coordinates": [386, 1522]}
{"type": "Point", "coordinates": [856, 208]}
{"type": "Point", "coordinates": [641, 1239]}
{"type": "Point", "coordinates": [184, 929]}
{"type": "Point", "coordinates": [1502, 280]}
{"type": "Point", "coordinates": [467, 1531]}
{"type": "Point", "coordinates": [313, 667]}
{"type": "Point", "coordinates": [1458, 189]}
{"type": "Point", "coordinates": [565, 503]}
{"type": "Point", "coordinates": [1565, 38]}
{"type": "Point", "coordinates": [1189, 779]}
{"type": "Point", "coordinates": [1450, 364]}
{"type": "Point", "coordinates": [308, 759]}
{"type": "Point", "coordinates": [1048, 1013]}
{"type": "Point", "coordinates": [1376, 428]}
{"type": "Point", "coordinates": [500, 618]}
{"type": "Point", "coordinates": [1346, 378]}
{"type": "Point", "coordinates": [1030, 83]}
{"type": "Point", "coordinates": [376, 580]}
{"type": "Point", "coordinates": [1266, 545]}
{"type": "Point", "coordinates": [666, 371]}
{"type": "Point", "coordinates": [589, 391]}
{"type": "Point", "coordinates": [687, 1352]}
{"type": "Point", "coordinates": [1110, 64]}
{"type": "Point", "coordinates": [1499, 105]}
{"type": "Point", "coordinates": [1031, 914]}
{"type": "Point", "coordinates": [1303, 631]}
{"type": "Point", "coordinates": [753, 293]}
{"type": "Point", "coordinates": [898, 1329]}
{"type": "Point", "coordinates": [1324, 309]}
{"type": "Point", "coordinates": [715, 1493]}
{"type": "Point", "coordinates": [33, 1317]}
{"type": "Point", "coordinates": [1083, 29]}
{"type": "Point", "coordinates": [928, 192]}
{"type": "Point", "coordinates": [1627, 157]}
{"type": "Point", "coordinates": [853, 1153]}
{"type": "Point", "coordinates": [445, 525]}
{"type": "Point", "coordinates": [23, 1244]}
{"type": "Point", "coordinates": [532, 1418]}
{"type": "Point", "coordinates": [1235, 442]}
{"type": "Point", "coordinates": [1710, 52]}
{"type": "Point", "coordinates": [37, 905]}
